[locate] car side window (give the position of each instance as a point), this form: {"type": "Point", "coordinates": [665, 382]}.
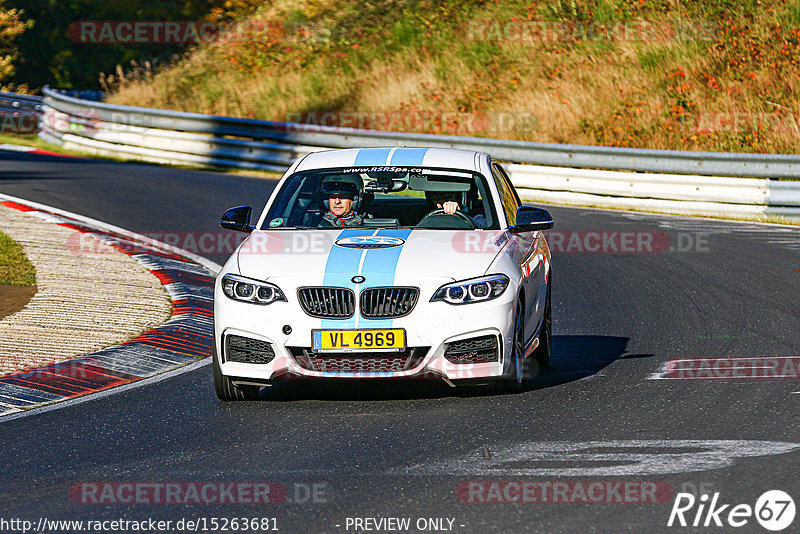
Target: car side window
{"type": "Point", "coordinates": [510, 186]}
{"type": "Point", "coordinates": [508, 196]}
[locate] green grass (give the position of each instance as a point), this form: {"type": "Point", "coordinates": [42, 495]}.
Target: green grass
{"type": "Point", "coordinates": [791, 16]}
{"type": "Point", "coordinates": [652, 59]}
{"type": "Point", "coordinates": [36, 142]}
{"type": "Point", "coordinates": [24, 140]}
{"type": "Point", "coordinates": [15, 268]}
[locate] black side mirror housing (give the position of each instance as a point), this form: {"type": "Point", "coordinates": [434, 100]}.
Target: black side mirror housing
{"type": "Point", "coordinates": [530, 219]}
{"type": "Point", "coordinates": [238, 219]}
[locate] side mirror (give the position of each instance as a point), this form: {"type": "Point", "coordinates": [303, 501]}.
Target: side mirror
{"type": "Point", "coordinates": [530, 219]}
{"type": "Point", "coordinates": [238, 219]}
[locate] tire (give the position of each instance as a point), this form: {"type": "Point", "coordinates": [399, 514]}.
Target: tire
{"type": "Point", "coordinates": [226, 389]}
{"type": "Point", "coordinates": [543, 351]}
{"type": "Point", "coordinates": [513, 382]}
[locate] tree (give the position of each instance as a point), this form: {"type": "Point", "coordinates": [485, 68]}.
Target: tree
{"type": "Point", "coordinates": [47, 55]}
{"type": "Point", "coordinates": [11, 27]}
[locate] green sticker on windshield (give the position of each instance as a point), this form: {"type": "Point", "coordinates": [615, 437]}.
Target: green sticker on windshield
{"type": "Point", "coordinates": [276, 222]}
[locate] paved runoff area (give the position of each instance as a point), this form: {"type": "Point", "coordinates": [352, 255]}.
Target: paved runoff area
{"type": "Point", "coordinates": [86, 301]}
{"type": "Point", "coordinates": [110, 309]}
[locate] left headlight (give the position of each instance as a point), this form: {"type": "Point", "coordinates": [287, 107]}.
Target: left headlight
{"type": "Point", "coordinates": [248, 290]}
{"type": "Point", "coordinates": [473, 290]}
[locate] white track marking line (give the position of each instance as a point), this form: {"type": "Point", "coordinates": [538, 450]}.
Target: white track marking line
{"type": "Point", "coordinates": [55, 405]}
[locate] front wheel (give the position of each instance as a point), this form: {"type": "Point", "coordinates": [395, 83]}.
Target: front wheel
{"type": "Point", "coordinates": [226, 389]}
{"type": "Point", "coordinates": [513, 382]}
{"type": "Point", "coordinates": [543, 351]}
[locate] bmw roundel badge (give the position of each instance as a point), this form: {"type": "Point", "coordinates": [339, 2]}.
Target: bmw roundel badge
{"type": "Point", "coordinates": [369, 242]}
{"type": "Point", "coordinates": [358, 279]}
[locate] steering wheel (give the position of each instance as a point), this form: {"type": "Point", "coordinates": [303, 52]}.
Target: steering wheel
{"type": "Point", "coordinates": [439, 219]}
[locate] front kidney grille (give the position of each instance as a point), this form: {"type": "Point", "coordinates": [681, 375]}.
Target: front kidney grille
{"type": "Point", "coordinates": [246, 350]}
{"type": "Point", "coordinates": [327, 302]}
{"type": "Point", "coordinates": [384, 302]}
{"type": "Point", "coordinates": [481, 349]}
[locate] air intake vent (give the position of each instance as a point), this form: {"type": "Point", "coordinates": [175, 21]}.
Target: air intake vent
{"type": "Point", "coordinates": [473, 350]}
{"type": "Point", "coordinates": [384, 302]}
{"type": "Point", "coordinates": [245, 350]}
{"type": "Point", "coordinates": [327, 302]}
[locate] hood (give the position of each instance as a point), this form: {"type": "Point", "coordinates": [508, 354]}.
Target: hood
{"type": "Point", "coordinates": [382, 257]}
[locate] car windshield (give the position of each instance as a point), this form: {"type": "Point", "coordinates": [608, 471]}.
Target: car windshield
{"type": "Point", "coordinates": [383, 197]}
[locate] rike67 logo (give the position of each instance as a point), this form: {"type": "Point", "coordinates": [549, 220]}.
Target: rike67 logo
{"type": "Point", "coordinates": [774, 510]}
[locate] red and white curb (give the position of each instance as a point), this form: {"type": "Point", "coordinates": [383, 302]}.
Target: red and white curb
{"type": "Point", "coordinates": [179, 345]}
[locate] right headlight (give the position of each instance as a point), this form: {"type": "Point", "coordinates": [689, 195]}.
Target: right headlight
{"type": "Point", "coordinates": [248, 290]}
{"type": "Point", "coordinates": [472, 290]}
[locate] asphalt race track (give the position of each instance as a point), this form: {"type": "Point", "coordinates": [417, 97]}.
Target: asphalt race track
{"type": "Point", "coordinates": [606, 412]}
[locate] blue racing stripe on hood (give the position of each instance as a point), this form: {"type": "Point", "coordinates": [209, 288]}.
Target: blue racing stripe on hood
{"type": "Point", "coordinates": [341, 267]}
{"type": "Point", "coordinates": [379, 269]}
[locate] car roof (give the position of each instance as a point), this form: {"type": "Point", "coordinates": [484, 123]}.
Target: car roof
{"type": "Point", "coordinates": [399, 156]}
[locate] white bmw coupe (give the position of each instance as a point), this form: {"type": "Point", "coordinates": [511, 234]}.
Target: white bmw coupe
{"type": "Point", "coordinates": [385, 263]}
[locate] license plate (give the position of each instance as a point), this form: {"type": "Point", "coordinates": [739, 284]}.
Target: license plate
{"type": "Point", "coordinates": [392, 339]}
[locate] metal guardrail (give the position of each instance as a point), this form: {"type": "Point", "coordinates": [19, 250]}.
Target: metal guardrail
{"type": "Point", "coordinates": [671, 193]}
{"type": "Point", "coordinates": [19, 113]}
{"type": "Point", "coordinates": [20, 102]}
{"type": "Point", "coordinates": [181, 137]}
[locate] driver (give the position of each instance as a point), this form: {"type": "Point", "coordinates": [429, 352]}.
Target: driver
{"type": "Point", "coordinates": [448, 201]}
{"type": "Point", "coordinates": [340, 201]}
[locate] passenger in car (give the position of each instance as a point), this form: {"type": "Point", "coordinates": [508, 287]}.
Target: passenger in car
{"type": "Point", "coordinates": [340, 205]}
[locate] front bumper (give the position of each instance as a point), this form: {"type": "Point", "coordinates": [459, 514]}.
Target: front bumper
{"type": "Point", "coordinates": [430, 329]}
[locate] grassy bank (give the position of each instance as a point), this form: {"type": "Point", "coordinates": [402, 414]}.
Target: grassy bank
{"type": "Point", "coordinates": [693, 75]}
{"type": "Point", "coordinates": [15, 268]}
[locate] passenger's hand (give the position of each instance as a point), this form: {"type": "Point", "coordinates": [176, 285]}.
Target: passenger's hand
{"type": "Point", "coordinates": [450, 207]}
